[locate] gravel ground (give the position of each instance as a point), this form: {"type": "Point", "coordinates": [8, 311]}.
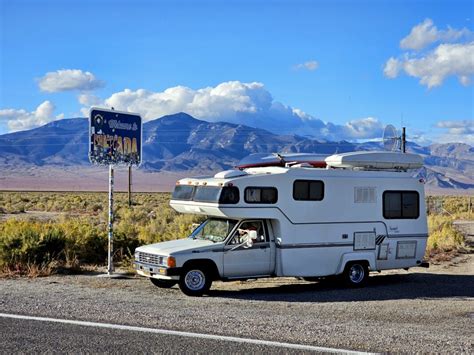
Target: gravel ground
{"type": "Point", "coordinates": [418, 311]}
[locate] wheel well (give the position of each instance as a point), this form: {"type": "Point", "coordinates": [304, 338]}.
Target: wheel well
{"type": "Point", "coordinates": [203, 263]}
{"type": "Point", "coordinates": [363, 262]}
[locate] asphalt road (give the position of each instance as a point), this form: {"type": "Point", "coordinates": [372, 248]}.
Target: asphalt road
{"type": "Point", "coordinates": [34, 336]}
{"type": "Point", "coordinates": [420, 311]}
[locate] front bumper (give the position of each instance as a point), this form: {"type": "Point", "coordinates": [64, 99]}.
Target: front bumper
{"type": "Point", "coordinates": [159, 272]}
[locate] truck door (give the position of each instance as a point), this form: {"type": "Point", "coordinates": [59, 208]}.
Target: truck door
{"type": "Point", "coordinates": [241, 260]}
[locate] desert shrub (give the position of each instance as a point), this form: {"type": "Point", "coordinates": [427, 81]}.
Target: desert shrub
{"type": "Point", "coordinates": [25, 242]}
{"type": "Point", "coordinates": [442, 235]}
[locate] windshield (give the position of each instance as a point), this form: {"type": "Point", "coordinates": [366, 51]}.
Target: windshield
{"type": "Point", "coordinates": [214, 229]}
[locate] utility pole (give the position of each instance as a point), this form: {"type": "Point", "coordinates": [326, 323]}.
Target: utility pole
{"type": "Point", "coordinates": [470, 206]}
{"type": "Point", "coordinates": [129, 186]}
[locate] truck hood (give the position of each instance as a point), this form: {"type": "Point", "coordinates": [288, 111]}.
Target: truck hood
{"type": "Point", "coordinates": [178, 246]}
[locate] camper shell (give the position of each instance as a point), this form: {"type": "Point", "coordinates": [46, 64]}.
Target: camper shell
{"type": "Point", "coordinates": [354, 216]}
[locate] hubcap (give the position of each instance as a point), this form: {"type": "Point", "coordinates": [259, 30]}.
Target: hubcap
{"type": "Point", "coordinates": [195, 280]}
{"type": "Point", "coordinates": [356, 273]}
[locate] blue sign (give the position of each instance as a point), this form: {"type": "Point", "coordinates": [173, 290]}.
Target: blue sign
{"type": "Point", "coordinates": [115, 138]}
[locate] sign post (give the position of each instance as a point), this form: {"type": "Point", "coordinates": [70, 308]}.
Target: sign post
{"type": "Point", "coordinates": [110, 229]}
{"type": "Point", "coordinates": [115, 138]}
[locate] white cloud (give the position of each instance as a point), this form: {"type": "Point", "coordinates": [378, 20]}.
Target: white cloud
{"type": "Point", "coordinates": [310, 65]}
{"type": "Point", "coordinates": [420, 36]}
{"type": "Point", "coordinates": [392, 68]}
{"type": "Point", "coordinates": [363, 128]}
{"type": "Point", "coordinates": [236, 102]}
{"type": "Point", "coordinates": [457, 127]}
{"type": "Point", "coordinates": [69, 79]}
{"type": "Point", "coordinates": [426, 33]}
{"type": "Point", "coordinates": [88, 99]}
{"type": "Point", "coordinates": [18, 120]}
{"type": "Point", "coordinates": [456, 131]}
{"type": "Point", "coordinates": [433, 68]}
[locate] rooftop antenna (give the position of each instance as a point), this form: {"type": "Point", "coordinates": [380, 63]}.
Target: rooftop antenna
{"type": "Point", "coordinates": [391, 139]}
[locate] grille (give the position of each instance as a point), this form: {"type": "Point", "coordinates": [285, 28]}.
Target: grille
{"type": "Point", "coordinates": [150, 258]}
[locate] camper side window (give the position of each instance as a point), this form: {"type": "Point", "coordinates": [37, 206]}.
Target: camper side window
{"type": "Point", "coordinates": [261, 195]}
{"type": "Point", "coordinates": [401, 205]}
{"type": "Point", "coordinates": [308, 190]}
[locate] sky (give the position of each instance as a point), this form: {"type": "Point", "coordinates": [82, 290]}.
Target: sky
{"type": "Point", "coordinates": [329, 69]}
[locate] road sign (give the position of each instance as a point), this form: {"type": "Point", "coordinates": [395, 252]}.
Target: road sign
{"type": "Point", "coordinates": [115, 137]}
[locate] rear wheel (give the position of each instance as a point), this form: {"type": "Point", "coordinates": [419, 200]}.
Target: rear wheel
{"type": "Point", "coordinates": [163, 283]}
{"type": "Point", "coordinates": [356, 274]}
{"type": "Point", "coordinates": [195, 281]}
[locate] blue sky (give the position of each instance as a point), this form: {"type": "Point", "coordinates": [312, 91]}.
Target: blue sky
{"type": "Point", "coordinates": [332, 69]}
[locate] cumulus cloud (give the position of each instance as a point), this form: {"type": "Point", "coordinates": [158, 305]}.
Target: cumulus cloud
{"type": "Point", "coordinates": [18, 120]}
{"type": "Point", "coordinates": [392, 68]}
{"type": "Point", "coordinates": [433, 66]}
{"type": "Point", "coordinates": [88, 99]}
{"type": "Point", "coordinates": [310, 65]}
{"type": "Point", "coordinates": [68, 80]}
{"type": "Point", "coordinates": [363, 128]}
{"type": "Point", "coordinates": [432, 69]}
{"type": "Point", "coordinates": [236, 102]}
{"type": "Point", "coordinates": [456, 131]}
{"type": "Point", "coordinates": [457, 127]}
{"type": "Point", "coordinates": [426, 33]}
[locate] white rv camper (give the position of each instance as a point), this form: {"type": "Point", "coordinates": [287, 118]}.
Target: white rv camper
{"type": "Point", "coordinates": [362, 212]}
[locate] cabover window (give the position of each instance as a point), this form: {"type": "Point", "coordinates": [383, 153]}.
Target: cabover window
{"type": "Point", "coordinates": [183, 192]}
{"type": "Point", "coordinates": [401, 204]}
{"type": "Point", "coordinates": [216, 194]}
{"type": "Point", "coordinates": [308, 190]}
{"type": "Point", "coordinates": [261, 195]}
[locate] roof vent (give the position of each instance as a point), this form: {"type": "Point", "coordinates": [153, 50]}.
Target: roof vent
{"type": "Point", "coordinates": [228, 174]}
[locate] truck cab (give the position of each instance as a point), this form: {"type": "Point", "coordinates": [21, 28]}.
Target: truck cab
{"type": "Point", "coordinates": [219, 248]}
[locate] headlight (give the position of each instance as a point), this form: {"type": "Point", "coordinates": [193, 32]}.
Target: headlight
{"type": "Point", "coordinates": [137, 255]}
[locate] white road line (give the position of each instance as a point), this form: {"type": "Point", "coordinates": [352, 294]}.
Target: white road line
{"type": "Point", "coordinates": [182, 334]}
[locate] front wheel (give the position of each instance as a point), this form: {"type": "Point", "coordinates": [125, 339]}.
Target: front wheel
{"type": "Point", "coordinates": [356, 274]}
{"type": "Point", "coordinates": [163, 283]}
{"type": "Point", "coordinates": [195, 281]}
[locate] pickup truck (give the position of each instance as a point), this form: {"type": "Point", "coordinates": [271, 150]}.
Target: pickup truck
{"type": "Point", "coordinates": [219, 248]}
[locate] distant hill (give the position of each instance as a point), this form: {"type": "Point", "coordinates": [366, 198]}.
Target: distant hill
{"type": "Point", "coordinates": [179, 142]}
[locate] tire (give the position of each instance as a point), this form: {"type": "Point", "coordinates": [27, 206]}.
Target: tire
{"type": "Point", "coordinates": [356, 274]}
{"type": "Point", "coordinates": [195, 281]}
{"type": "Point", "coordinates": [163, 283]}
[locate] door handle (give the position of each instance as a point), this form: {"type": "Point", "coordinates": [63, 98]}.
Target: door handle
{"type": "Point", "coordinates": [263, 247]}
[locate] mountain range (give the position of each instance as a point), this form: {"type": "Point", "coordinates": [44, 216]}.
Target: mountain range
{"type": "Point", "coordinates": [179, 143]}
